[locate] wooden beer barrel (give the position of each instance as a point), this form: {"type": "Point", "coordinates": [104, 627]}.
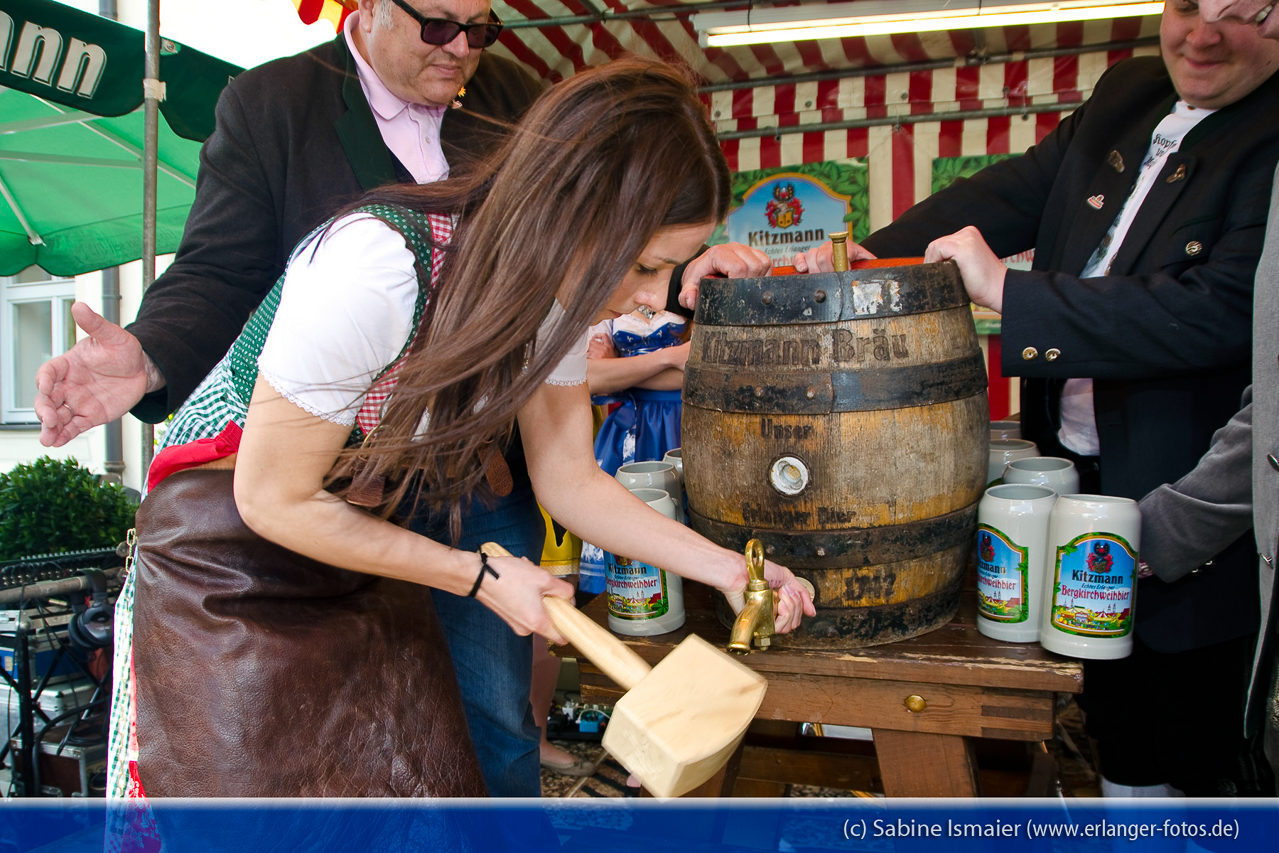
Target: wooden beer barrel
{"type": "Point", "coordinates": [842, 419]}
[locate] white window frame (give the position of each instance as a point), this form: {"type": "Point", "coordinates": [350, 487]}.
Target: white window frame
{"type": "Point", "coordinates": [60, 292]}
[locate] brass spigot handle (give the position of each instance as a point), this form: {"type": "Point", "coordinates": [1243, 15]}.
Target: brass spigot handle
{"type": "Point", "coordinates": [755, 562]}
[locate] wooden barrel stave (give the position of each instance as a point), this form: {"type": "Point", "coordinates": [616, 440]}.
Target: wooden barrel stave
{"type": "Point", "coordinates": [873, 382]}
{"type": "Point", "coordinates": [858, 479]}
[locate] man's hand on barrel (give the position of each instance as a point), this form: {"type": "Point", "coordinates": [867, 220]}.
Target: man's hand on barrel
{"type": "Point", "coordinates": [819, 259]}
{"type": "Point", "coordinates": [733, 260]}
{"type": "Point", "coordinates": [982, 270]}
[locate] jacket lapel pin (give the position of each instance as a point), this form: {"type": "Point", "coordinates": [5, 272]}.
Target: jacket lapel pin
{"type": "Point", "coordinates": [1116, 161]}
{"type": "Point", "coordinates": [1177, 175]}
{"type": "Point", "coordinates": [1096, 201]}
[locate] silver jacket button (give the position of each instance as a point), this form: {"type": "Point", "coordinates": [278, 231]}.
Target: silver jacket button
{"type": "Point", "coordinates": [1194, 247]}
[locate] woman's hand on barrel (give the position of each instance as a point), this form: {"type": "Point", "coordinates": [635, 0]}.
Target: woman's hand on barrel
{"type": "Point", "coordinates": [516, 596]}
{"type": "Point", "coordinates": [792, 599]}
{"type": "Point", "coordinates": [982, 270]}
{"type": "Point", "coordinates": [820, 259]}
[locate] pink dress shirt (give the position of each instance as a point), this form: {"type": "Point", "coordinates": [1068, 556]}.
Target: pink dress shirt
{"type": "Point", "coordinates": [411, 131]}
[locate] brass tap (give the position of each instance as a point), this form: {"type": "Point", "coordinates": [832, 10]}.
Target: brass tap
{"type": "Point", "coordinates": [839, 249]}
{"type": "Point", "coordinates": [755, 622]}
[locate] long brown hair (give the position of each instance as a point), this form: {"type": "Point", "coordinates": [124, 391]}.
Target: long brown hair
{"type": "Point", "coordinates": [600, 163]}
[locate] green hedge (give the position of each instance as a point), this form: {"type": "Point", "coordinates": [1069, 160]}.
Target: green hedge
{"type": "Point", "coordinates": [51, 506]}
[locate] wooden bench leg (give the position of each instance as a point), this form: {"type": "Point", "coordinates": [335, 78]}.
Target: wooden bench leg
{"type": "Point", "coordinates": [919, 764]}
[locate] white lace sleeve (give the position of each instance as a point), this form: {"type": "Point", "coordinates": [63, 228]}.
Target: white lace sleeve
{"type": "Point", "coordinates": [572, 367]}
{"type": "Point", "coordinates": [345, 313]}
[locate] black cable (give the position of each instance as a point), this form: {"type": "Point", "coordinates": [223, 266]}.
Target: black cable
{"type": "Point", "coordinates": [61, 643]}
{"type": "Point", "coordinates": [35, 765]}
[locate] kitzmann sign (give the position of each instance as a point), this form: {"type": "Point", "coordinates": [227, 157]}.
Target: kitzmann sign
{"type": "Point", "coordinates": [71, 57]}
{"type": "Point", "coordinates": [95, 65]}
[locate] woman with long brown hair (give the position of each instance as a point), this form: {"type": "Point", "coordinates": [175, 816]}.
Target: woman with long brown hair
{"type": "Point", "coordinates": [284, 637]}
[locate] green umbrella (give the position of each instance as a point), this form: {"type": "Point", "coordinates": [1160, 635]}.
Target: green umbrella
{"type": "Point", "coordinates": [71, 138]}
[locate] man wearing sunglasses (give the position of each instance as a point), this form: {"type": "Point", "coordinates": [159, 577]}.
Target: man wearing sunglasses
{"type": "Point", "coordinates": [297, 139]}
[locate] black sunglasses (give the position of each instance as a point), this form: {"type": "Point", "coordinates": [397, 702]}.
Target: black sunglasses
{"type": "Point", "coordinates": [438, 31]}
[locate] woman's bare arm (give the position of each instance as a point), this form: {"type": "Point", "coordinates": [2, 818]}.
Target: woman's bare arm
{"type": "Point", "coordinates": [284, 456]}
{"type": "Point", "coordinates": [556, 428]}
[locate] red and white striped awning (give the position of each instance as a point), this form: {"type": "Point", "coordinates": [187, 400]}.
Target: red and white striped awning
{"type": "Point", "coordinates": [555, 52]}
{"type": "Point", "coordinates": [579, 34]}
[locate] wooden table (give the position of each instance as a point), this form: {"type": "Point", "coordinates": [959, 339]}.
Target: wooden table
{"type": "Point", "coordinates": [971, 686]}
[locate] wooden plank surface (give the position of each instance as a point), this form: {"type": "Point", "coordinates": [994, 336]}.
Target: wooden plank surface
{"type": "Point", "coordinates": [956, 654]}
{"type": "Point", "coordinates": [966, 711]}
{"type": "Point", "coordinates": [971, 686]}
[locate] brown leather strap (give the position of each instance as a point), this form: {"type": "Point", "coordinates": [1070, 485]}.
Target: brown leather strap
{"type": "Point", "coordinates": [496, 471]}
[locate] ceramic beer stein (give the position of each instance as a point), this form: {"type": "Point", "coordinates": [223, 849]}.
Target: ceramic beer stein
{"type": "Point", "coordinates": [1005, 429]}
{"type": "Point", "coordinates": [652, 475]}
{"type": "Point", "coordinates": [1051, 471]}
{"type": "Point", "coordinates": [675, 456]}
{"type": "Point", "coordinates": [1012, 544]}
{"type": "Point", "coordinates": [1092, 577]}
{"type": "Point", "coordinates": [643, 599]}
{"type": "Point", "coordinates": [1005, 450]}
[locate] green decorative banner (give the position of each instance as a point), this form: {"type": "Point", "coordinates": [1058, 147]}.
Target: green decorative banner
{"type": "Point", "coordinates": [947, 170]}
{"type": "Point", "coordinates": [96, 65]}
{"type": "Point", "coordinates": [790, 208]}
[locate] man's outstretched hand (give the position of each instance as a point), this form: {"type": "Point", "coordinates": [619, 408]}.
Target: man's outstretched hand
{"type": "Point", "coordinates": [96, 381]}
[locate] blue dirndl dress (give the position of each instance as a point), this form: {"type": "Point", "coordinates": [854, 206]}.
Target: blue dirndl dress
{"type": "Point", "coordinates": [645, 424]}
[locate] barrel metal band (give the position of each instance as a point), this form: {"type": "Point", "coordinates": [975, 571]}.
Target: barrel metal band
{"type": "Point", "coordinates": [829, 297]}
{"type": "Point", "coordinates": [868, 546]}
{"type": "Point", "coordinates": [820, 393]}
{"type": "Point", "coordinates": [836, 628]}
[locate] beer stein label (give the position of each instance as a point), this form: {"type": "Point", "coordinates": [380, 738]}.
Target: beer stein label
{"type": "Point", "coordinates": [1093, 587]}
{"type": "Point", "coordinates": [1002, 576]}
{"type": "Point", "coordinates": [636, 590]}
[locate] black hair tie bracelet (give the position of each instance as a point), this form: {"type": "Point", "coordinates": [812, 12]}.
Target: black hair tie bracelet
{"type": "Point", "coordinates": [485, 569]}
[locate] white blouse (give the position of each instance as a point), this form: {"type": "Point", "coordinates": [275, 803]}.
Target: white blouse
{"type": "Point", "coordinates": [346, 311]}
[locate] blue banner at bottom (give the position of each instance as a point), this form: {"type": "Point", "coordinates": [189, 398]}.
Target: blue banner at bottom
{"type": "Point", "coordinates": [643, 826]}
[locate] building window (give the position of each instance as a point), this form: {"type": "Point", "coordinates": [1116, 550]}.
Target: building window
{"type": "Point", "coordinates": [35, 323]}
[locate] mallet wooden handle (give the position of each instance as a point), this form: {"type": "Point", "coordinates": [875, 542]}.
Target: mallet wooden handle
{"type": "Point", "coordinates": [593, 640]}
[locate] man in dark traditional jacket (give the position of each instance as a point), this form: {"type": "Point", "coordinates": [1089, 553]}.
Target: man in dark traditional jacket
{"type": "Point", "coordinates": [1146, 208]}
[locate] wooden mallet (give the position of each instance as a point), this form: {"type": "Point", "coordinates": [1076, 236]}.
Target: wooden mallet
{"type": "Point", "coordinates": [680, 720]}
